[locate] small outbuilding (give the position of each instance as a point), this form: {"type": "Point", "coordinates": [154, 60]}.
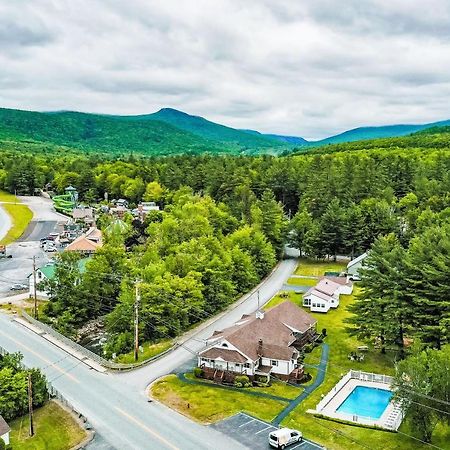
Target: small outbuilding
{"type": "Point", "coordinates": [355, 265]}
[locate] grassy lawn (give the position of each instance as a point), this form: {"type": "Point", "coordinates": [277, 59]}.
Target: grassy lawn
{"type": "Point", "coordinates": [282, 297]}
{"type": "Point", "coordinates": [29, 308]}
{"type": "Point", "coordinates": [7, 197]}
{"type": "Point", "coordinates": [150, 350]}
{"type": "Point", "coordinates": [54, 428]}
{"type": "Point", "coordinates": [277, 388]}
{"type": "Point", "coordinates": [21, 216]}
{"type": "Point", "coordinates": [339, 436]}
{"type": "Point", "coordinates": [210, 404]}
{"type": "Point", "coordinates": [318, 268]}
{"type": "Point", "coordinates": [303, 281]}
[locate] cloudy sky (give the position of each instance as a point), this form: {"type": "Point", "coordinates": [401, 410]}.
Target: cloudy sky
{"type": "Point", "coordinates": [303, 67]}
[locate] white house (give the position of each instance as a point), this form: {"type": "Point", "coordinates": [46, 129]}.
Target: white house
{"type": "Point", "coordinates": [264, 344]}
{"type": "Point", "coordinates": [4, 430]}
{"type": "Point", "coordinates": [354, 265]}
{"type": "Point", "coordinates": [325, 294]}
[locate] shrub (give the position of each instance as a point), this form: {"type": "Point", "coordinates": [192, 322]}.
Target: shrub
{"type": "Point", "coordinates": [198, 372]}
{"type": "Point", "coordinates": [324, 332]}
{"type": "Point", "coordinates": [242, 381]}
{"type": "Point", "coordinates": [308, 348]}
{"type": "Point", "coordinates": [2, 444]}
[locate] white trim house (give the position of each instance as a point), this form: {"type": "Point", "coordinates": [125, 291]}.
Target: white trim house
{"type": "Point", "coordinates": [325, 294]}
{"type": "Point", "coordinates": [264, 344]}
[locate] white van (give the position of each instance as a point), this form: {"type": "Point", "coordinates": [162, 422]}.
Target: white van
{"type": "Point", "coordinates": [283, 437]}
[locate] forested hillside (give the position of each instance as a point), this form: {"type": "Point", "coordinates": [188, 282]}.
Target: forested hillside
{"type": "Point", "coordinates": [167, 132]}
{"type": "Point", "coordinates": [212, 131]}
{"type": "Point", "coordinates": [224, 221]}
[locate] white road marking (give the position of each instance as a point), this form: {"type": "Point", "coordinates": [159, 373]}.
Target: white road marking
{"type": "Point", "coordinates": [246, 423]}
{"type": "Point", "coordinates": [264, 429]}
{"type": "Point", "coordinates": [254, 419]}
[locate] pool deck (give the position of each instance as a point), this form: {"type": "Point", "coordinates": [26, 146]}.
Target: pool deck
{"type": "Point", "coordinates": [390, 419]}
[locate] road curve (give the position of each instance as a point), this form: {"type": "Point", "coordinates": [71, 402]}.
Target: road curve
{"type": "Point", "coordinates": [5, 222]}
{"type": "Point", "coordinates": [140, 378]}
{"type": "Point", "coordinates": [119, 412]}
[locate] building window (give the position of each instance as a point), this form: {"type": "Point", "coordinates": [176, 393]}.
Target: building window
{"type": "Point", "coordinates": [273, 362]}
{"type": "Point", "coordinates": [313, 305]}
{"type": "Point", "coordinates": [247, 365]}
{"type": "Point", "coordinates": [205, 360]}
{"type": "Point", "coordinates": [224, 344]}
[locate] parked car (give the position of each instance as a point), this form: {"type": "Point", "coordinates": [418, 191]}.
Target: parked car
{"type": "Point", "coordinates": [50, 247]}
{"type": "Point", "coordinates": [283, 437]}
{"type": "Point", "coordinates": [18, 287]}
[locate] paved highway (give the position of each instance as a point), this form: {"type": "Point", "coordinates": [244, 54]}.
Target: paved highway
{"type": "Point", "coordinates": [120, 413]}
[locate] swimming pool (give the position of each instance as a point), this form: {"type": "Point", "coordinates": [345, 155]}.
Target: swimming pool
{"type": "Point", "coordinates": [366, 402]}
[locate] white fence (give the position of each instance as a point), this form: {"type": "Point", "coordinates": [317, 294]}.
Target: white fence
{"type": "Point", "coordinates": [392, 417]}
{"type": "Point", "coordinates": [355, 375]}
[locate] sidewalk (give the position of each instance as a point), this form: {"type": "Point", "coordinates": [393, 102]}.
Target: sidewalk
{"type": "Point", "coordinates": [308, 389]}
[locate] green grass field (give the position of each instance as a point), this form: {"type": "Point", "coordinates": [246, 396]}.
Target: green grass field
{"type": "Point", "coordinates": [7, 197]}
{"type": "Point", "coordinates": [317, 268]}
{"type": "Point", "coordinates": [150, 350]}
{"type": "Point", "coordinates": [339, 436]}
{"type": "Point", "coordinates": [210, 404]}
{"type": "Point", "coordinates": [303, 281]}
{"type": "Point", "coordinates": [20, 215]}
{"type": "Point", "coordinates": [54, 427]}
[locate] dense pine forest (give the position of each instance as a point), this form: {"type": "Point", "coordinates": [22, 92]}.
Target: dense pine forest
{"type": "Point", "coordinates": [224, 222]}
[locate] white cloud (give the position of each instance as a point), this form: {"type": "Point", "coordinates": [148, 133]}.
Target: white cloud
{"type": "Point", "coordinates": [310, 68]}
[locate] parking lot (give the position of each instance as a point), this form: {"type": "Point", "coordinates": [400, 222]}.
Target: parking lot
{"type": "Point", "coordinates": [254, 433]}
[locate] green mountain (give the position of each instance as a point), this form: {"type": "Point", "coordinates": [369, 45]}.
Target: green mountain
{"type": "Point", "coordinates": [292, 140]}
{"type": "Point", "coordinates": [433, 138]}
{"type": "Point", "coordinates": [163, 133]}
{"type": "Point", "coordinates": [363, 133]}
{"type": "Point", "coordinates": [209, 130]}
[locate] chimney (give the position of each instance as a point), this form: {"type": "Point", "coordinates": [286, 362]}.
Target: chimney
{"type": "Point", "coordinates": [260, 347]}
{"type": "Point", "coordinates": [259, 314]}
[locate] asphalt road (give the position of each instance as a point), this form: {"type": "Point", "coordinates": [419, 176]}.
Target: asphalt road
{"type": "Point", "coordinates": [5, 222]}
{"type": "Point", "coordinates": [16, 269]}
{"type": "Point", "coordinates": [119, 412]}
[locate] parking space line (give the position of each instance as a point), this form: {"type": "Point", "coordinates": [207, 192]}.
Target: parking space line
{"type": "Point", "coordinates": [264, 429]}
{"type": "Point", "coordinates": [246, 423]}
{"type": "Point", "coordinates": [298, 445]}
{"type": "Point", "coordinates": [257, 420]}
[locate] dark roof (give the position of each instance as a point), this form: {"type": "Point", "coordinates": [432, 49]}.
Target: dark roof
{"type": "Point", "coordinates": [4, 427]}
{"type": "Point", "coordinates": [275, 329]}
{"type": "Point", "coordinates": [225, 354]}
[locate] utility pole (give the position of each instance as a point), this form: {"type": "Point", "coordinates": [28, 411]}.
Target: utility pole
{"type": "Point", "coordinates": [136, 321]}
{"type": "Point", "coordinates": [34, 288]}
{"type": "Point", "coordinates": [30, 405]}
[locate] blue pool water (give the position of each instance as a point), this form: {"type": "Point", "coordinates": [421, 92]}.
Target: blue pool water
{"type": "Point", "coordinates": [366, 402]}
